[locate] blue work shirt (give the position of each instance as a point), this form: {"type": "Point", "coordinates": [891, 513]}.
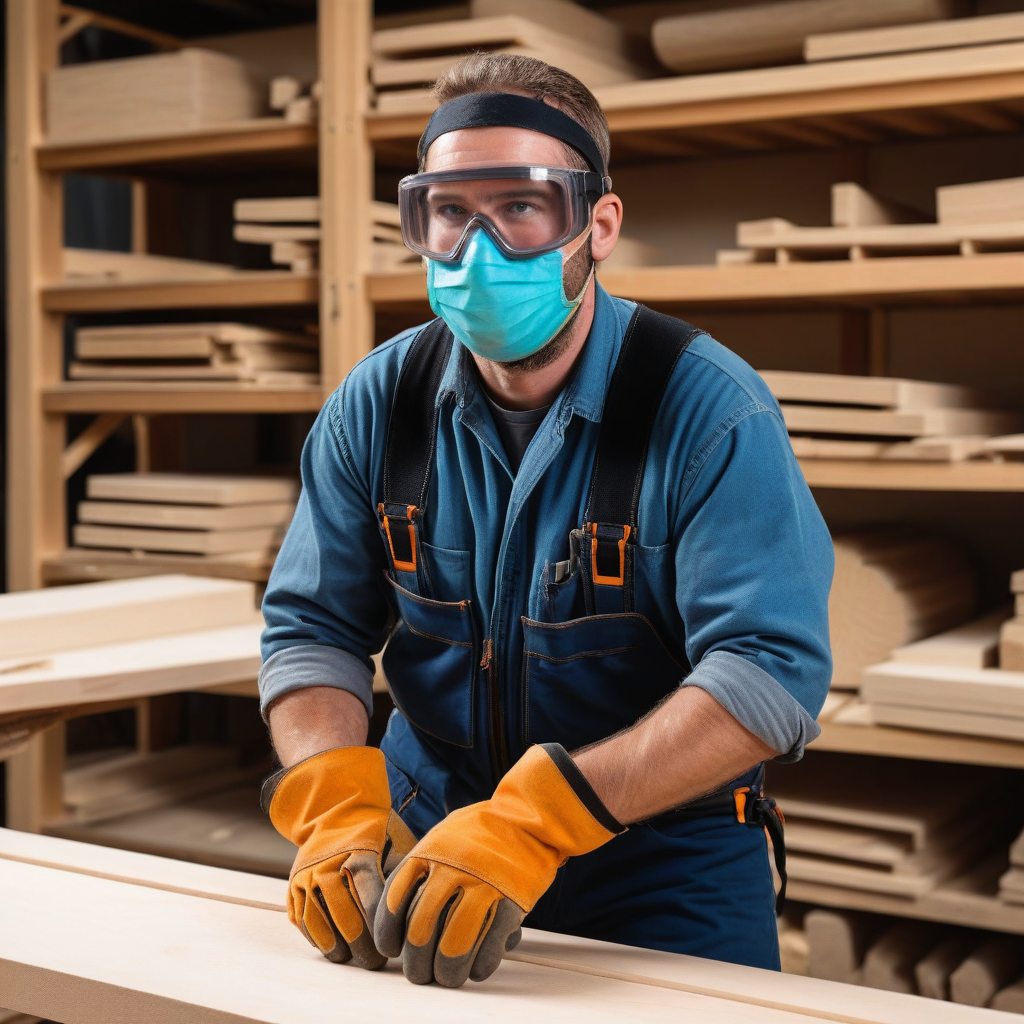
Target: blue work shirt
{"type": "Point", "coordinates": [734, 562]}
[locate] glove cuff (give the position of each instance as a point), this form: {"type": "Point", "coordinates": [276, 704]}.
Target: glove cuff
{"type": "Point", "coordinates": [583, 789]}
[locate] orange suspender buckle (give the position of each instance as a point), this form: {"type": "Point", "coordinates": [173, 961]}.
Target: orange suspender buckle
{"type": "Point", "coordinates": [608, 554]}
{"type": "Point", "coordinates": [402, 542]}
{"type": "Point", "coordinates": [740, 798]}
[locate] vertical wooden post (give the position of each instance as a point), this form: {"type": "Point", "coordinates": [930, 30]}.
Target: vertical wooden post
{"type": "Point", "coordinates": [346, 187]}
{"type": "Point", "coordinates": [35, 781]}
{"type": "Point", "coordinates": [35, 487]}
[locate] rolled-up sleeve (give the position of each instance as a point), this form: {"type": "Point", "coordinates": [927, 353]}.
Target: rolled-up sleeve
{"type": "Point", "coordinates": [754, 564]}
{"type": "Point", "coordinates": [324, 609]}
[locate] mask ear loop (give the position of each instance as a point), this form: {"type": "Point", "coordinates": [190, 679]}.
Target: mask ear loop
{"type": "Point", "coordinates": [593, 264]}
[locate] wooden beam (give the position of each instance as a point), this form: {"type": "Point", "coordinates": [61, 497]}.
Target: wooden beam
{"type": "Point", "coordinates": [88, 441]}
{"type": "Point", "coordinates": [161, 40]}
{"type": "Point", "coordinates": [346, 188]}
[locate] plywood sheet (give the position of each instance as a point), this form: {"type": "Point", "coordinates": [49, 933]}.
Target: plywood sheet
{"type": "Point", "coordinates": [191, 488]}
{"type": "Point", "coordinates": [141, 668]}
{"type": "Point", "coordinates": [39, 622]}
{"type": "Point", "coordinates": [983, 202]}
{"type": "Point", "coordinates": [819, 419]}
{"type": "Point", "coordinates": [199, 542]}
{"type": "Point", "coordinates": [186, 517]}
{"type": "Point", "coordinates": [959, 722]}
{"type": "Point", "coordinates": [948, 688]}
{"type": "Point", "coordinates": [974, 645]}
{"type": "Point", "coordinates": [919, 449]}
{"type": "Point", "coordinates": [879, 392]}
{"type": "Point", "coordinates": [288, 210]}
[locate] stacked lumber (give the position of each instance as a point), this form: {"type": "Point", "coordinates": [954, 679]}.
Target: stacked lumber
{"type": "Point", "coordinates": [836, 416]}
{"type": "Point", "coordinates": [893, 586]}
{"type": "Point", "coordinates": [102, 265]}
{"type": "Point", "coordinates": [202, 351]}
{"type": "Point", "coordinates": [291, 227]}
{"type": "Point", "coordinates": [873, 824]}
{"type": "Point", "coordinates": [1005, 449]}
{"type": "Point", "coordinates": [976, 218]}
{"type": "Point", "coordinates": [185, 513]}
{"type": "Point", "coordinates": [1011, 636]}
{"type": "Point", "coordinates": [407, 60]}
{"type": "Point", "coordinates": [298, 101]}
{"type": "Point", "coordinates": [774, 33]}
{"type": "Point", "coordinates": [160, 94]}
{"type": "Point", "coordinates": [1011, 884]}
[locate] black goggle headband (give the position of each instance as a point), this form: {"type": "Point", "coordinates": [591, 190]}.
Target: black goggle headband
{"type": "Point", "coordinates": [580, 189]}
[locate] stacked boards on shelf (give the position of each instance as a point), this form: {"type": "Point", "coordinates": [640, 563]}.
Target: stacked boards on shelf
{"type": "Point", "coordinates": [407, 60]}
{"type": "Point", "coordinates": [196, 351]}
{"type": "Point", "coordinates": [151, 517]}
{"type": "Point", "coordinates": [893, 586]}
{"type": "Point", "coordinates": [838, 416]}
{"type": "Point", "coordinates": [298, 101]}
{"type": "Point", "coordinates": [866, 823]}
{"type": "Point", "coordinates": [1011, 636]}
{"type": "Point", "coordinates": [291, 227]}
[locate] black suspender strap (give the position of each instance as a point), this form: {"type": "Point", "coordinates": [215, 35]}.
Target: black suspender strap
{"type": "Point", "coordinates": [650, 350]}
{"type": "Point", "coordinates": [412, 435]}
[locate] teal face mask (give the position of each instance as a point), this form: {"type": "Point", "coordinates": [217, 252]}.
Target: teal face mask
{"type": "Point", "coordinates": [499, 308]}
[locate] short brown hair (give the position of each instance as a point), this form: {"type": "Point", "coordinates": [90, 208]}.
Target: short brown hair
{"type": "Point", "coordinates": [528, 76]}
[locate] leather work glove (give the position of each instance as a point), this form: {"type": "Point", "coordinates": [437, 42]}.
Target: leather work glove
{"type": "Point", "coordinates": [458, 900]}
{"type": "Point", "coordinates": [336, 807]}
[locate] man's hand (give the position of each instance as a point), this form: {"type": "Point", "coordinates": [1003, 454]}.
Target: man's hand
{"type": "Point", "coordinates": [336, 807]}
{"type": "Point", "coordinates": [456, 903]}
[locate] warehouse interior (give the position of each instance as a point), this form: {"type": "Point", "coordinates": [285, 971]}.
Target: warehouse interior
{"type": "Point", "coordinates": [202, 239]}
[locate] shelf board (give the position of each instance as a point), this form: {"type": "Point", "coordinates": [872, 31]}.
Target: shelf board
{"type": "Point", "coordinates": [914, 476]}
{"type": "Point", "coordinates": [899, 280]}
{"type": "Point", "coordinates": [969, 901]}
{"type": "Point", "coordinates": [80, 565]}
{"type": "Point", "coordinates": [225, 829]}
{"type": "Point", "coordinates": [243, 288]}
{"type": "Point", "coordinates": [236, 147]}
{"type": "Point", "coordinates": [873, 99]}
{"type": "Point", "coordinates": [919, 745]}
{"type": "Point", "coordinates": [177, 396]}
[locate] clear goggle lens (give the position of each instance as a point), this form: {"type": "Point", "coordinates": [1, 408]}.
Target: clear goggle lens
{"type": "Point", "coordinates": [527, 210]}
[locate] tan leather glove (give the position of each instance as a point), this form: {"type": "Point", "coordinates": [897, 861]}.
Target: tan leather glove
{"type": "Point", "coordinates": [456, 903]}
{"type": "Point", "coordinates": [336, 807]}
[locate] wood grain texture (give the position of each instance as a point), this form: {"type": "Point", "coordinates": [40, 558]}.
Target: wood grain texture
{"type": "Point", "coordinates": [38, 623]}
{"type": "Point", "coordinates": [995, 28]}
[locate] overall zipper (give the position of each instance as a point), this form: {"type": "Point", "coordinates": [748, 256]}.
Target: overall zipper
{"type": "Point", "coordinates": [499, 752]}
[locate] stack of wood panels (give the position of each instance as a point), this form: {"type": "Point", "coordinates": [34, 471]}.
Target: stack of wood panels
{"type": "Point", "coordinates": [1011, 636]}
{"type": "Point", "coordinates": [1011, 884]}
{"type": "Point", "coordinates": [199, 352]}
{"type": "Point", "coordinates": [836, 416]}
{"type": "Point", "coordinates": [407, 60]}
{"type": "Point", "coordinates": [298, 101]}
{"type": "Point", "coordinates": [975, 218]}
{"type": "Point", "coordinates": [291, 227]}
{"type": "Point", "coordinates": [875, 824]}
{"type": "Point", "coordinates": [185, 514]}
{"type": "Point", "coordinates": [159, 94]}
{"type": "Point", "coordinates": [893, 586]}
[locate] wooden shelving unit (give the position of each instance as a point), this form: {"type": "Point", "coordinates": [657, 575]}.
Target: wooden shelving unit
{"type": "Point", "coordinates": [971, 92]}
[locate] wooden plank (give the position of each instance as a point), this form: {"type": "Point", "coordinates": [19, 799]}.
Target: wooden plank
{"type": "Point", "coordinates": [185, 517]}
{"type": "Point", "coordinates": [179, 341]}
{"type": "Point", "coordinates": [40, 622]}
{"type": "Point", "coordinates": [992, 966]}
{"type": "Point", "coordinates": [996, 28]}
{"type": "Point", "coordinates": [214, 371]}
{"type": "Point", "coordinates": [266, 234]}
{"type": "Point", "coordinates": [191, 488]}
{"type": "Point", "coordinates": [880, 392]}
{"type": "Point", "coordinates": [291, 209]}
{"type": "Point", "coordinates": [854, 206]}
{"type": "Point", "coordinates": [146, 870]}
{"type": "Point", "coordinates": [973, 645]}
{"type": "Point", "coordinates": [889, 963]}
{"type": "Point", "coordinates": [919, 449]}
{"type": "Point", "coordinates": [837, 943]}
{"type": "Point", "coordinates": [949, 689]}
{"type": "Point", "coordinates": [134, 267]}
{"type": "Point", "coordinates": [982, 201]}
{"type": "Point", "coordinates": [1011, 646]}
{"type": "Point", "coordinates": [932, 972]}
{"type": "Point", "coordinates": [908, 476]}
{"type": "Point", "coordinates": [1009, 446]}
{"type": "Point", "coordinates": [997, 726]}
{"type": "Point", "coordinates": [158, 397]}
{"type": "Point", "coordinates": [919, 423]}
{"type": "Point", "coordinates": [196, 542]}
{"type": "Point", "coordinates": [154, 94]}
{"type": "Point", "coordinates": [86, 565]}
{"type": "Point", "coordinates": [140, 668]}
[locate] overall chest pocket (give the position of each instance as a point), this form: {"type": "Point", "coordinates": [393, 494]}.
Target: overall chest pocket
{"type": "Point", "coordinates": [431, 664]}
{"type": "Point", "coordinates": [586, 679]}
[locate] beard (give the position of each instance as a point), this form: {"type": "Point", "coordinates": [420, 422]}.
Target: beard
{"type": "Point", "coordinates": [575, 272]}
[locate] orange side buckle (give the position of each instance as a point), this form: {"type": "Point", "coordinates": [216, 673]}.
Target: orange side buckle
{"type": "Point", "coordinates": [401, 564]}
{"type": "Point", "coordinates": [608, 581]}
{"type": "Point", "coordinates": [740, 797]}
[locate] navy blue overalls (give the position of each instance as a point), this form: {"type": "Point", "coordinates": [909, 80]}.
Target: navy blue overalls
{"type": "Point", "coordinates": [694, 880]}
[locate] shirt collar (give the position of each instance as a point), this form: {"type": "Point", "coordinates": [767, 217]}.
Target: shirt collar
{"type": "Point", "coordinates": [584, 395]}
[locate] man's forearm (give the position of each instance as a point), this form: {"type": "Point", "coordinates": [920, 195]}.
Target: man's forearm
{"type": "Point", "coordinates": [305, 722]}
{"type": "Point", "coordinates": [684, 749]}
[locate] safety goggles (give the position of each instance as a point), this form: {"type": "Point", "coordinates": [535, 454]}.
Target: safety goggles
{"type": "Point", "coordinates": [527, 211]}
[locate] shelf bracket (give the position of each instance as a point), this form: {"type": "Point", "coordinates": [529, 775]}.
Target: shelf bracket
{"type": "Point", "coordinates": [83, 446]}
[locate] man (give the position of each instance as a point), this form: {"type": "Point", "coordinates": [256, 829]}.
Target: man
{"type": "Point", "coordinates": [602, 580]}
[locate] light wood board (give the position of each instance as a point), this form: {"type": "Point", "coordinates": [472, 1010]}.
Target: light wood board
{"type": "Point", "coordinates": [974, 645]}
{"type": "Point", "coordinates": [854, 206]}
{"type": "Point", "coordinates": [1011, 646]}
{"type": "Point", "coordinates": [288, 210]}
{"type": "Point", "coordinates": [1011, 445]}
{"type": "Point", "coordinates": [919, 449]}
{"type": "Point", "coordinates": [878, 392]}
{"type": "Point", "coordinates": [959, 722]}
{"type": "Point", "coordinates": [220, 332]}
{"type": "Point", "coordinates": [186, 517]}
{"type": "Point", "coordinates": [191, 488]}
{"type": "Point", "coordinates": [996, 28]}
{"type": "Point", "coordinates": [889, 423]}
{"type": "Point", "coordinates": [105, 266]}
{"type": "Point", "coordinates": [39, 622]}
{"type": "Point", "coordinates": [196, 542]}
{"type": "Point", "coordinates": [141, 668]}
{"type": "Point", "coordinates": [266, 234]}
{"type": "Point", "coordinates": [982, 202]}
{"type": "Point", "coordinates": [208, 371]}
{"type": "Point", "coordinates": [87, 565]}
{"type": "Point", "coordinates": [946, 688]}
